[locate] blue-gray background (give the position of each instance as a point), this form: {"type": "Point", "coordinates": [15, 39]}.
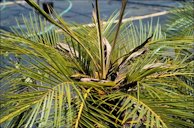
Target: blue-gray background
{"type": "Point", "coordinates": [79, 11]}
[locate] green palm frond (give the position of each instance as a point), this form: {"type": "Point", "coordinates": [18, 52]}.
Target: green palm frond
{"type": "Point", "coordinates": [37, 29]}
{"type": "Point", "coordinates": [131, 111]}
{"type": "Point", "coordinates": [55, 104]}
{"type": "Point", "coordinates": [180, 22]}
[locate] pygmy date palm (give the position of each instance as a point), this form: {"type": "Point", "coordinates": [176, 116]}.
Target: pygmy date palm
{"type": "Point", "coordinates": [106, 75]}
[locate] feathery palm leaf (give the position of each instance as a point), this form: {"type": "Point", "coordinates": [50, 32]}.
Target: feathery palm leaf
{"type": "Point", "coordinates": [180, 22]}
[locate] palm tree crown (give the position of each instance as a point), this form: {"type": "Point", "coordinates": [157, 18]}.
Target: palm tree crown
{"type": "Point", "coordinates": [109, 75]}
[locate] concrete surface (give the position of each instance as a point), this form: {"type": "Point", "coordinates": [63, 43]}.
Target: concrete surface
{"type": "Point", "coordinates": [82, 9]}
